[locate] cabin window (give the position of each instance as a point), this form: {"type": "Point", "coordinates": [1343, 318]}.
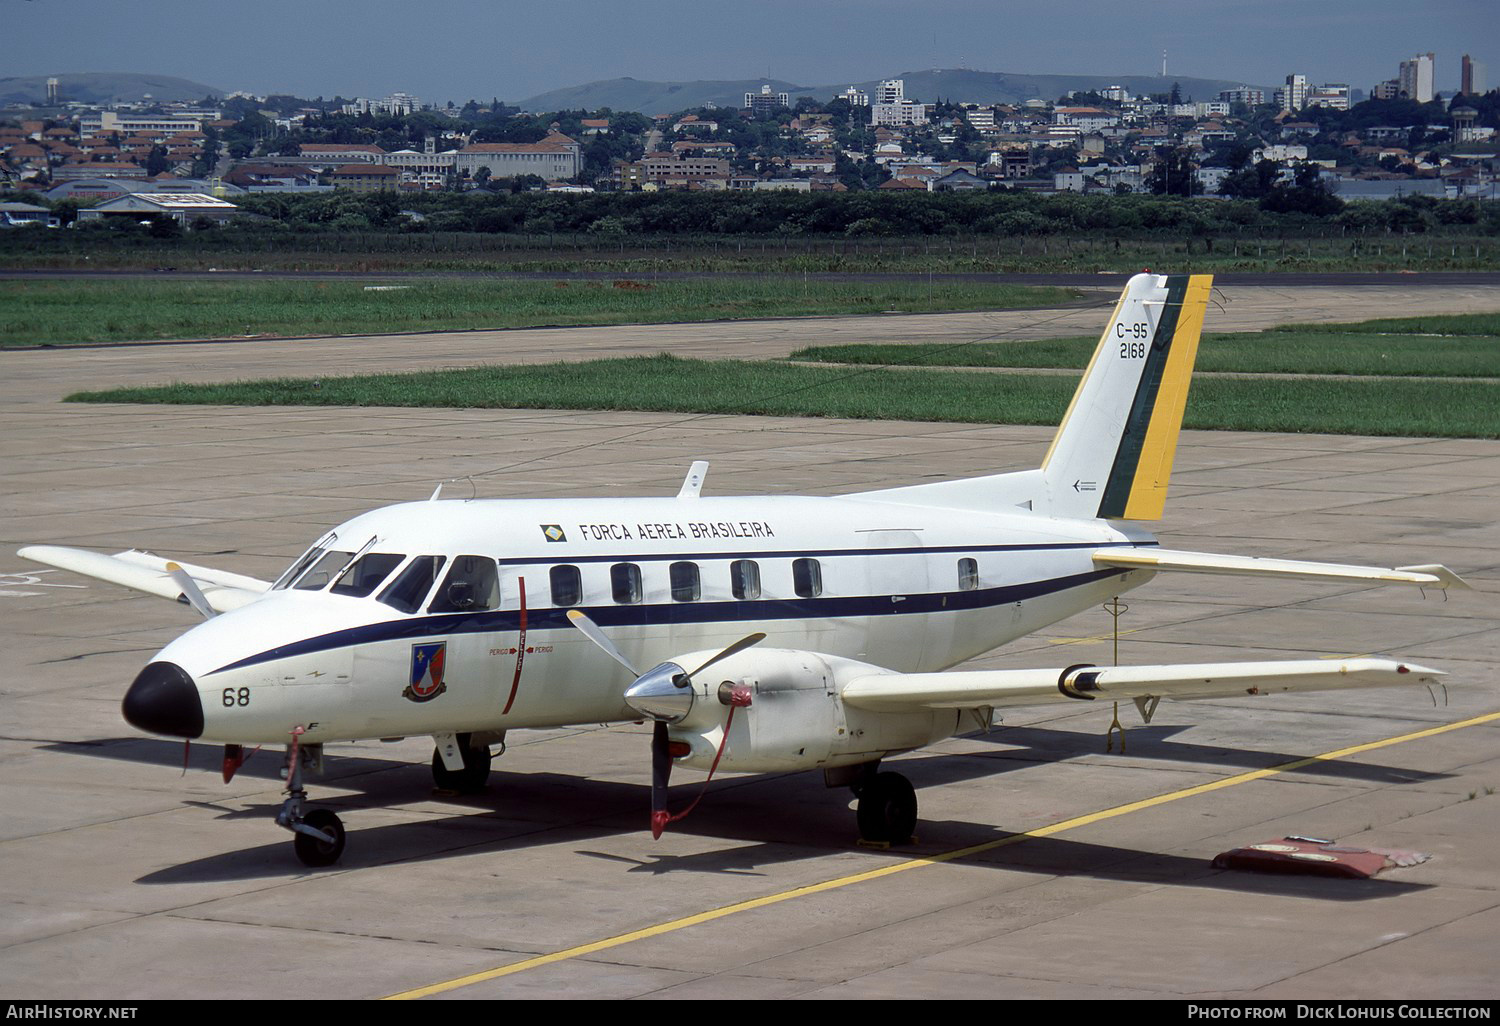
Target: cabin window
{"type": "Point", "coordinates": [472, 585]}
{"type": "Point", "coordinates": [685, 584]}
{"type": "Point", "coordinates": [968, 574]}
{"type": "Point", "coordinates": [625, 583]}
{"type": "Point", "coordinates": [567, 585]}
{"type": "Point", "coordinates": [323, 571]}
{"type": "Point", "coordinates": [367, 573]}
{"type": "Point", "coordinates": [411, 585]}
{"type": "Point", "coordinates": [807, 578]}
{"type": "Point", "coordinates": [744, 579]}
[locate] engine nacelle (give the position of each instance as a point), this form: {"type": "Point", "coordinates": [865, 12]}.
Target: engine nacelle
{"type": "Point", "coordinates": [796, 719]}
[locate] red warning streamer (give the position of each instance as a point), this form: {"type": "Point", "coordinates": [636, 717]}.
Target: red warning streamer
{"type": "Point", "coordinates": [515, 682]}
{"type": "Point", "coordinates": [723, 743]}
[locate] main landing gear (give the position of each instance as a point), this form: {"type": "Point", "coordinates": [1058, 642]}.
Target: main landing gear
{"type": "Point", "coordinates": [461, 761]}
{"type": "Point", "coordinates": [319, 834]}
{"type": "Point", "coordinates": [887, 809]}
{"type": "Point", "coordinates": [469, 777]}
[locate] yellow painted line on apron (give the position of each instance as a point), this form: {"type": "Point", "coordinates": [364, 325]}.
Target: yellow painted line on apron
{"type": "Point", "coordinates": [922, 863]}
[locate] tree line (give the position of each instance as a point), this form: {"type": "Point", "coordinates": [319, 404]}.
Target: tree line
{"type": "Point", "coordinates": [860, 214]}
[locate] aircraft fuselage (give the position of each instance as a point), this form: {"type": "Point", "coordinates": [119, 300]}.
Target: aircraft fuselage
{"type": "Point", "coordinates": [886, 584]}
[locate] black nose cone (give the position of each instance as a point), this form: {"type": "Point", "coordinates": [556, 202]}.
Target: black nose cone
{"type": "Point", "coordinates": [164, 700]}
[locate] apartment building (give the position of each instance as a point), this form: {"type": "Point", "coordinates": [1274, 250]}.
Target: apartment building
{"type": "Point", "coordinates": [902, 112]}
{"type": "Point", "coordinates": [766, 101]}
{"type": "Point", "coordinates": [1416, 77]}
{"type": "Point", "coordinates": [1293, 95]}
{"type": "Point", "coordinates": [685, 166]}
{"type": "Point", "coordinates": [1244, 94]}
{"type": "Point", "coordinates": [1471, 77]}
{"type": "Point", "coordinates": [364, 177]}
{"type": "Point", "coordinates": [1332, 95]}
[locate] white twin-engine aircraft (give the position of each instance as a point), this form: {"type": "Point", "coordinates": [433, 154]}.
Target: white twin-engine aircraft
{"type": "Point", "coordinates": [776, 632]}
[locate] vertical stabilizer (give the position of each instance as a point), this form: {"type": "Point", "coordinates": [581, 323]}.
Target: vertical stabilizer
{"type": "Point", "coordinates": [1112, 455]}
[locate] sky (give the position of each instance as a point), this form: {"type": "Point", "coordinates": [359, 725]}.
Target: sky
{"type": "Point", "coordinates": [443, 50]}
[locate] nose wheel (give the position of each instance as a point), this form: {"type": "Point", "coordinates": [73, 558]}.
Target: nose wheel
{"type": "Point", "coordinates": [320, 842]}
{"type": "Point", "coordinates": [318, 836]}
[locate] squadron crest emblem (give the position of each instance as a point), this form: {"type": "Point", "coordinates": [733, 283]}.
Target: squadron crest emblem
{"type": "Point", "coordinates": [426, 680]}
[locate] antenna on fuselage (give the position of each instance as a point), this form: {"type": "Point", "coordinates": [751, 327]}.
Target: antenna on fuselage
{"type": "Point", "coordinates": [436, 492]}
{"type": "Point", "coordinates": [692, 485]}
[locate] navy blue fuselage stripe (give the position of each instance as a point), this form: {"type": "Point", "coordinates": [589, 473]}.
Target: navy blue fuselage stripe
{"type": "Point", "coordinates": [563, 557]}
{"type": "Point", "coordinates": [500, 621]}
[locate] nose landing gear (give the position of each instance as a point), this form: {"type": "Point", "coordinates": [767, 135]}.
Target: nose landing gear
{"type": "Point", "coordinates": [319, 834]}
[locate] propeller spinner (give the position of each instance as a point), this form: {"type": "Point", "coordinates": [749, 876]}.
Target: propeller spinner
{"type": "Point", "coordinates": [663, 694]}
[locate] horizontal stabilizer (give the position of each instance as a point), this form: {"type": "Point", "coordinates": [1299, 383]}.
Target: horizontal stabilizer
{"type": "Point", "coordinates": [1256, 566]}
{"type": "Point", "coordinates": [894, 692]}
{"type": "Point", "coordinates": [144, 572]}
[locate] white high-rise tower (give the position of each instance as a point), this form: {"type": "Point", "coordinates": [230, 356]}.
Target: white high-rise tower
{"type": "Point", "coordinates": [1416, 78]}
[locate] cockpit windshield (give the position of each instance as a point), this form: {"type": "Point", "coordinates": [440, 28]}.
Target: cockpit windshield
{"type": "Point", "coordinates": [295, 570]}
{"type": "Point", "coordinates": [366, 574]}
{"type": "Point", "coordinates": [316, 577]}
{"type": "Point", "coordinates": [411, 585]}
{"type": "Point", "coordinates": [307, 559]}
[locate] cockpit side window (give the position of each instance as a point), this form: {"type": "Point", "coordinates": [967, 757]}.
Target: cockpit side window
{"type": "Point", "coordinates": [324, 570]}
{"type": "Point", "coordinates": [411, 585]}
{"type": "Point", "coordinates": [367, 573]}
{"type": "Point", "coordinates": [472, 585]}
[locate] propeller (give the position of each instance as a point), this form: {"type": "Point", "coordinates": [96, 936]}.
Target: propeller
{"type": "Point", "coordinates": [593, 633]}
{"type": "Point", "coordinates": [664, 695]}
{"type": "Point", "coordinates": [190, 591]}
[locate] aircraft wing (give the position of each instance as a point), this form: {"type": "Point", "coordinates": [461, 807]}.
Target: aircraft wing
{"type": "Point", "coordinates": [894, 692]}
{"type": "Point", "coordinates": [1153, 558]}
{"type": "Point", "coordinates": [146, 572]}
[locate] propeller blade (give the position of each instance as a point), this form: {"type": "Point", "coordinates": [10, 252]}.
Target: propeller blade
{"type": "Point", "coordinates": [591, 631]}
{"type": "Point", "coordinates": [190, 591]}
{"type": "Point", "coordinates": [661, 770]}
{"type": "Point", "coordinates": [738, 646]}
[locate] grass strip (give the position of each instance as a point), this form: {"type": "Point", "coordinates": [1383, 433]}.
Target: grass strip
{"type": "Point", "coordinates": [1280, 351]}
{"type": "Point", "coordinates": [62, 312]}
{"type": "Point", "coordinates": [664, 383]}
{"type": "Point", "coordinates": [1428, 324]}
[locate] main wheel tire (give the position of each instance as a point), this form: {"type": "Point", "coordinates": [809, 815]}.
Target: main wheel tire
{"type": "Point", "coordinates": [887, 810]}
{"type": "Point", "coordinates": [314, 852]}
{"type": "Point", "coordinates": [469, 780]}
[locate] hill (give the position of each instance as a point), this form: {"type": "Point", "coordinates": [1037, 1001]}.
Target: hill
{"type": "Point", "coordinates": [104, 87]}
{"type": "Point", "coordinates": [960, 85]}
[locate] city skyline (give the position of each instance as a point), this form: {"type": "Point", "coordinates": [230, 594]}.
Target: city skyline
{"type": "Point", "coordinates": [472, 50]}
